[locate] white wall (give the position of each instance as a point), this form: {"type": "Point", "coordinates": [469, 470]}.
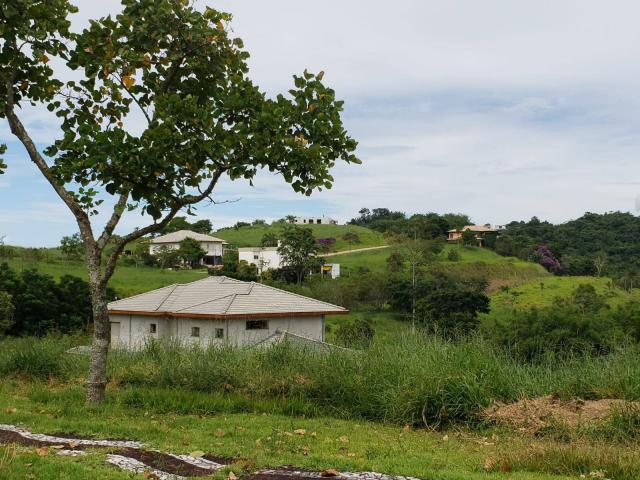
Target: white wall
{"type": "Point", "coordinates": [212, 248]}
{"type": "Point", "coordinates": [314, 221]}
{"type": "Point", "coordinates": [268, 259]}
{"type": "Point", "coordinates": [135, 330]}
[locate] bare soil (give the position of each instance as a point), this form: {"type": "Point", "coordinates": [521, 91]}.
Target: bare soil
{"type": "Point", "coordinates": [536, 414]}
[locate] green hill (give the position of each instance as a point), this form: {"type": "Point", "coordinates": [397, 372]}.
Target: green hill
{"type": "Point", "coordinates": [251, 235]}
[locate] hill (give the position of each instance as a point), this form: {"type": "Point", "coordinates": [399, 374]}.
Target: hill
{"type": "Point", "coordinates": [251, 235]}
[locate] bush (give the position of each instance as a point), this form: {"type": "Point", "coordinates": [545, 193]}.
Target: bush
{"type": "Point", "coordinates": [358, 334]}
{"type": "Point", "coordinates": [6, 312]}
{"type": "Point", "coordinates": [453, 255]}
{"type": "Point", "coordinates": [38, 358]}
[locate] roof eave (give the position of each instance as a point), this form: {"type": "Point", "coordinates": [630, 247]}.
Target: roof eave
{"type": "Point", "coordinates": [226, 316]}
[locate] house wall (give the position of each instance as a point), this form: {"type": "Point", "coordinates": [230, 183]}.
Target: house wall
{"type": "Point", "coordinates": [134, 330]}
{"type": "Point", "coordinates": [267, 258]}
{"type": "Point", "coordinates": [314, 221]}
{"type": "Point", "coordinates": [212, 248]}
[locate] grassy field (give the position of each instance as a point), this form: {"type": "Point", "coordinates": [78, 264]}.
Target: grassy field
{"type": "Point", "coordinates": [251, 236]}
{"type": "Point", "coordinates": [541, 292]}
{"type": "Point", "coordinates": [126, 281]}
{"type": "Point", "coordinates": [260, 440]}
{"type": "Point", "coordinates": [366, 410]}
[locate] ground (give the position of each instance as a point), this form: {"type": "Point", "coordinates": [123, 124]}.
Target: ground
{"type": "Point", "coordinates": [259, 438]}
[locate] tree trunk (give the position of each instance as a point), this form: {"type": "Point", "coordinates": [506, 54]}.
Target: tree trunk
{"type": "Point", "coordinates": [97, 380]}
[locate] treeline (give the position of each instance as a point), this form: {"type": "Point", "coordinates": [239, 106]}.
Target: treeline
{"type": "Point", "coordinates": [594, 244]}
{"type": "Point", "coordinates": [424, 226]}
{"type": "Point", "coordinates": [32, 303]}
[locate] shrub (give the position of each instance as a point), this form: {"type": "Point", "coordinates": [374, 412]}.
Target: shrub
{"type": "Point", "coordinates": [453, 255]}
{"type": "Point", "coordinates": [6, 312]}
{"type": "Point", "coordinates": [358, 334]}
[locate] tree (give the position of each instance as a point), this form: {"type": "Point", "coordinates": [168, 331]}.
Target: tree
{"type": "Point", "coordinates": [298, 248]}
{"type": "Point", "coordinates": [600, 262]}
{"type": "Point", "coordinates": [351, 238]}
{"type": "Point", "coordinates": [416, 253]}
{"type": "Point", "coordinates": [326, 244]}
{"type": "Point", "coordinates": [469, 238]}
{"type": "Point", "coordinates": [190, 252]}
{"type": "Point", "coordinates": [179, 70]}
{"type": "Point", "coordinates": [176, 224]}
{"type": "Point", "coordinates": [71, 247]}
{"type": "Point", "coordinates": [269, 239]}
{"type": "Point", "coordinates": [358, 334]}
{"type": "Point", "coordinates": [166, 257]}
{"type": "Point", "coordinates": [6, 312]}
{"type": "Point", "coordinates": [202, 226]}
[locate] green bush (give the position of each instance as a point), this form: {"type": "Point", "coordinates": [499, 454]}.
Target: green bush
{"type": "Point", "coordinates": [38, 358]}
{"type": "Point", "coordinates": [358, 334]}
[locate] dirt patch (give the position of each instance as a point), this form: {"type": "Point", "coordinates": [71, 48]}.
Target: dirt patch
{"type": "Point", "coordinates": [164, 462]}
{"type": "Point", "coordinates": [7, 437]}
{"type": "Point", "coordinates": [536, 414]}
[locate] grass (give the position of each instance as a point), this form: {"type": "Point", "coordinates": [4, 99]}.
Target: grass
{"type": "Point", "coordinates": [251, 236]}
{"type": "Point", "coordinates": [541, 292]}
{"type": "Point", "coordinates": [126, 281]}
{"type": "Point", "coordinates": [266, 440]}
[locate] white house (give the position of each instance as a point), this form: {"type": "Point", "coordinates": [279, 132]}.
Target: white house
{"type": "Point", "coordinates": [214, 247]}
{"type": "Point", "coordinates": [314, 221]}
{"type": "Point", "coordinates": [216, 310]}
{"type": "Point", "coordinates": [264, 258]}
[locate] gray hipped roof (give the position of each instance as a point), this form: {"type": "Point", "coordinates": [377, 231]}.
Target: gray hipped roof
{"type": "Point", "coordinates": [222, 297]}
{"type": "Point", "coordinates": [177, 237]}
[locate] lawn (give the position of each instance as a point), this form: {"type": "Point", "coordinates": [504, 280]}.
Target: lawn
{"type": "Point", "coordinates": [264, 439]}
{"type": "Point", "coordinates": [126, 281]}
{"type": "Point", "coordinates": [251, 236]}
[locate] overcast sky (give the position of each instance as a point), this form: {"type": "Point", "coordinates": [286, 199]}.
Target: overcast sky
{"type": "Point", "coordinates": [498, 109]}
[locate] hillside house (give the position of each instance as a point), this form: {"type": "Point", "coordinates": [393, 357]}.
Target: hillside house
{"type": "Point", "coordinates": [218, 311]}
{"type": "Point", "coordinates": [214, 247]}
{"type": "Point", "coordinates": [315, 221]}
{"type": "Point", "coordinates": [264, 258]}
{"type": "Point", "coordinates": [481, 232]}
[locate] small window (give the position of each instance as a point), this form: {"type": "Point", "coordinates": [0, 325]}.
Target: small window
{"type": "Point", "coordinates": [257, 325]}
{"type": "Point", "coordinates": [319, 221]}
{"type": "Point", "coordinates": [152, 328]}
{"type": "Point", "coordinates": [195, 331]}
{"type": "Point", "coordinates": [256, 257]}
{"type": "Point", "coordinates": [219, 332]}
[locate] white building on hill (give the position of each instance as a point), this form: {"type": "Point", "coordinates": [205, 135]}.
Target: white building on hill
{"type": "Point", "coordinates": [214, 247]}
{"type": "Point", "coordinates": [216, 310]}
{"type": "Point", "coordinates": [264, 258]}
{"type": "Point", "coordinates": [314, 221]}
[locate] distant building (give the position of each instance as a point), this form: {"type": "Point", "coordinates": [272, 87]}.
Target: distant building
{"type": "Point", "coordinates": [331, 269]}
{"type": "Point", "coordinates": [264, 258]}
{"type": "Point", "coordinates": [481, 232]}
{"type": "Point", "coordinates": [314, 221]}
{"type": "Point", "coordinates": [214, 247]}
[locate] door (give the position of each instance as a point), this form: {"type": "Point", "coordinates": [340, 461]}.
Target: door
{"type": "Point", "coordinates": [115, 333]}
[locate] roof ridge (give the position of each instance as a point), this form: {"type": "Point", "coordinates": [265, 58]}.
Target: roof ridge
{"type": "Point", "coordinates": [233, 298]}
{"type": "Point", "coordinates": [298, 295]}
{"type": "Point", "coordinates": [145, 293]}
{"type": "Point", "coordinates": [205, 302]}
{"type": "Point", "coordinates": [167, 296]}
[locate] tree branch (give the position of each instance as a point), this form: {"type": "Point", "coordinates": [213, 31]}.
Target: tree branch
{"type": "Point", "coordinates": [18, 129]}
{"type": "Point", "coordinates": [118, 210]}
{"type": "Point", "coordinates": [154, 227]}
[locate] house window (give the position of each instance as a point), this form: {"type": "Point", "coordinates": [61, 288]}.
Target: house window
{"type": "Point", "coordinates": [257, 325]}
{"type": "Point", "coordinates": [319, 221]}
{"type": "Point", "coordinates": [153, 328]}
{"type": "Point", "coordinates": [256, 257]}
{"type": "Point", "coordinates": [219, 332]}
{"type": "Point", "coordinates": [195, 331]}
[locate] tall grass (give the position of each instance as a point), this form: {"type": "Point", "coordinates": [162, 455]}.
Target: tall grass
{"type": "Point", "coordinates": [417, 380]}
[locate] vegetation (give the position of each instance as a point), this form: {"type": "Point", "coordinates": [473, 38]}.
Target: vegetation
{"type": "Point", "coordinates": [6, 312]}
{"type": "Point", "coordinates": [298, 250]}
{"type": "Point", "coordinates": [132, 61]}
{"type": "Point", "coordinates": [251, 235]}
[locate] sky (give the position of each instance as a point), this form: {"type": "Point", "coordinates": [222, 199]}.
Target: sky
{"type": "Point", "coordinates": [499, 109]}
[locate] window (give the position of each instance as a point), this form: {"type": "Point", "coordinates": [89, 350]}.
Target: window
{"type": "Point", "coordinates": [256, 257]}
{"type": "Point", "coordinates": [219, 332]}
{"type": "Point", "coordinates": [319, 221]}
{"type": "Point", "coordinates": [195, 331]}
{"type": "Point", "coordinates": [257, 325]}
{"type": "Point", "coordinates": [152, 328]}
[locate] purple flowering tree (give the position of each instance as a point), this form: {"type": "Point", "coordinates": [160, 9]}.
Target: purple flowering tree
{"type": "Point", "coordinates": [326, 244]}
{"type": "Point", "coordinates": [544, 257]}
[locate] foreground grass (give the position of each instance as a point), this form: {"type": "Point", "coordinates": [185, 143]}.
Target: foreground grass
{"type": "Point", "coordinates": [266, 439]}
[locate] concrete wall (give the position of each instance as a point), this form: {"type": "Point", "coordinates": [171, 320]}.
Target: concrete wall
{"type": "Point", "coordinates": [212, 248]}
{"type": "Point", "coordinates": [314, 221]}
{"type": "Point", "coordinates": [133, 331]}
{"type": "Point", "coordinates": [268, 258]}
